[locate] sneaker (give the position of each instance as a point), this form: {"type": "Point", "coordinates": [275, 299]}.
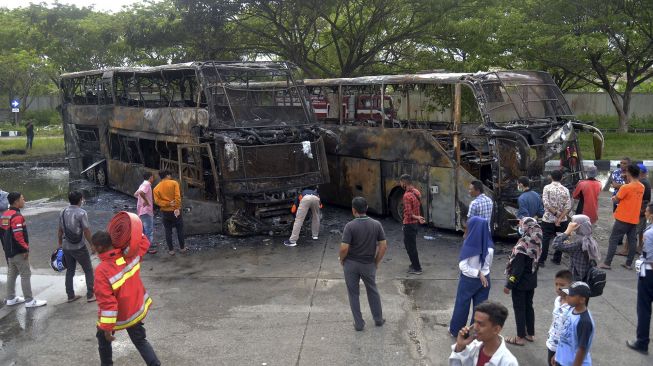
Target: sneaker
{"type": "Point", "coordinates": [74, 298]}
{"type": "Point", "coordinates": [289, 243]}
{"type": "Point", "coordinates": [35, 303]}
{"type": "Point", "coordinates": [415, 271]}
{"type": "Point", "coordinates": [379, 323]}
{"type": "Point", "coordinates": [359, 328]}
{"type": "Point", "coordinates": [15, 301]}
{"type": "Point", "coordinates": [315, 238]}
{"type": "Point", "coordinates": [635, 347]}
{"type": "Point", "coordinates": [90, 299]}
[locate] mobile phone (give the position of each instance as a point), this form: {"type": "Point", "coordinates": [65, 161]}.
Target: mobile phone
{"type": "Point", "coordinates": [470, 332]}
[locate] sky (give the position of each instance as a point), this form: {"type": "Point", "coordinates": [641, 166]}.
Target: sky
{"type": "Point", "coordinates": [100, 5]}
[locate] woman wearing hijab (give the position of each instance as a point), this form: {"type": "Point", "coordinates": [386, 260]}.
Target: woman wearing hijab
{"type": "Point", "coordinates": [522, 279]}
{"type": "Point", "coordinates": [475, 261]}
{"type": "Point", "coordinates": [578, 242]}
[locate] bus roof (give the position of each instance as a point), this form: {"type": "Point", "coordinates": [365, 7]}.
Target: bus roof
{"type": "Point", "coordinates": [260, 65]}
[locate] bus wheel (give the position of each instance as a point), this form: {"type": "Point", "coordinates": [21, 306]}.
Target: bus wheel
{"type": "Point", "coordinates": [397, 205]}
{"type": "Point", "coordinates": [90, 175]}
{"type": "Point", "coordinates": [101, 176]}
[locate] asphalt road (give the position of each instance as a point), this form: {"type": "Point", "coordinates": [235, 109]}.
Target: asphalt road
{"type": "Point", "coordinates": [254, 301]}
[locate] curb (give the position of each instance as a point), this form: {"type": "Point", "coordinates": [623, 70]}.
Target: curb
{"type": "Point", "coordinates": [10, 133]}
{"type": "Point", "coordinates": [601, 164]}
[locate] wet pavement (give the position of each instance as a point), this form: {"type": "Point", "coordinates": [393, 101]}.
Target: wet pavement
{"type": "Point", "coordinates": [253, 301]}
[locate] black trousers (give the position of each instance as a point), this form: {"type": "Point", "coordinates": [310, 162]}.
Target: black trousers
{"type": "Point", "coordinates": [410, 242]}
{"type": "Point", "coordinates": [170, 221]}
{"type": "Point", "coordinates": [137, 336]}
{"type": "Point", "coordinates": [549, 231]}
{"type": "Point", "coordinates": [522, 304]}
{"type": "Point", "coordinates": [644, 300]}
{"type": "Point", "coordinates": [82, 257]}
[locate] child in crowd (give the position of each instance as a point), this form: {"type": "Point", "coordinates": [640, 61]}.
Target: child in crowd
{"type": "Point", "coordinates": [578, 330]}
{"type": "Point", "coordinates": [560, 309]}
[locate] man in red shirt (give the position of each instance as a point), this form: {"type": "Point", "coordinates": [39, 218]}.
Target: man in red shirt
{"type": "Point", "coordinates": [587, 193]}
{"type": "Point", "coordinates": [411, 222]}
{"type": "Point", "coordinates": [15, 243]}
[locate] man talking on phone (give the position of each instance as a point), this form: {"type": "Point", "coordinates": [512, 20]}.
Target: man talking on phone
{"type": "Point", "coordinates": [482, 343]}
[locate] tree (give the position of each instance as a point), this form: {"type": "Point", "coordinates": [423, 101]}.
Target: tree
{"type": "Point", "coordinates": [609, 46]}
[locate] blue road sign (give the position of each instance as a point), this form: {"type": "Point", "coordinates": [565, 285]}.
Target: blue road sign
{"type": "Point", "coordinates": [15, 103]}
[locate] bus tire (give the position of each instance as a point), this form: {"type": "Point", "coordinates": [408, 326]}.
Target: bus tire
{"type": "Point", "coordinates": [101, 176]}
{"type": "Point", "coordinates": [397, 205]}
{"type": "Point", "coordinates": [90, 175]}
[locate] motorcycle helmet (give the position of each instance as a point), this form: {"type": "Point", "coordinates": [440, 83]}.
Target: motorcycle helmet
{"type": "Point", "coordinates": [58, 261]}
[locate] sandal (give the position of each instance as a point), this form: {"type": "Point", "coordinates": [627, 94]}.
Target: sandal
{"type": "Point", "coordinates": [530, 338]}
{"type": "Point", "coordinates": [171, 252]}
{"type": "Point", "coordinates": [184, 249]}
{"type": "Point", "coordinates": [514, 341]}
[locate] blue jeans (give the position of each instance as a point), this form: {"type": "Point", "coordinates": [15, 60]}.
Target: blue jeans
{"type": "Point", "coordinates": [469, 290]}
{"type": "Point", "coordinates": [148, 226]}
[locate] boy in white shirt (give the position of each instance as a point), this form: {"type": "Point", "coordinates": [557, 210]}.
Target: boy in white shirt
{"type": "Point", "coordinates": [560, 310]}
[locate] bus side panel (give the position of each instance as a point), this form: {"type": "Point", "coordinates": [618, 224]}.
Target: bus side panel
{"type": "Point", "coordinates": [442, 189]}
{"type": "Point", "coordinates": [362, 177]}
{"type": "Point", "coordinates": [201, 217]}
{"type": "Point", "coordinates": [125, 177]}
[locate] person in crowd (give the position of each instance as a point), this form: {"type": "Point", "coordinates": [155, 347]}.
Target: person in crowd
{"type": "Point", "coordinates": [626, 217]}
{"type": "Point", "coordinates": [123, 302]}
{"type": "Point", "coordinates": [578, 242]}
{"type": "Point", "coordinates": [530, 202]}
{"type": "Point", "coordinates": [167, 196]}
{"type": "Point", "coordinates": [522, 279]}
{"type": "Point", "coordinates": [412, 199]}
{"type": "Point", "coordinates": [587, 193]}
{"type": "Point", "coordinates": [361, 251]}
{"type": "Point", "coordinates": [308, 200]}
{"type": "Point", "coordinates": [578, 329]}
{"type": "Point", "coordinates": [563, 279]}
{"type": "Point", "coordinates": [4, 202]}
{"type": "Point", "coordinates": [646, 199]}
{"type": "Point", "coordinates": [29, 133]}
{"type": "Point", "coordinates": [15, 243]}
{"type": "Point", "coordinates": [644, 289]}
{"type": "Point", "coordinates": [481, 204]}
{"type": "Point", "coordinates": [482, 343]}
{"type": "Point", "coordinates": [475, 261]}
{"type": "Point", "coordinates": [73, 230]}
{"type": "Point", "coordinates": [145, 208]}
{"type": "Point", "coordinates": [618, 178]}
{"type": "Point", "coordinates": [557, 204]}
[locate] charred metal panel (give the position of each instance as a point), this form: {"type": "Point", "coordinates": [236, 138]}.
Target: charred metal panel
{"type": "Point", "coordinates": [362, 178]}
{"type": "Point", "coordinates": [389, 144]}
{"type": "Point", "coordinates": [184, 123]}
{"type": "Point", "coordinates": [125, 177]}
{"type": "Point", "coordinates": [442, 193]}
{"type": "Point", "coordinates": [201, 217]}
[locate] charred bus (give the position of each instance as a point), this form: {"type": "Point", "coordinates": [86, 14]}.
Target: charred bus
{"type": "Point", "coordinates": [241, 151]}
{"type": "Point", "coordinates": [446, 130]}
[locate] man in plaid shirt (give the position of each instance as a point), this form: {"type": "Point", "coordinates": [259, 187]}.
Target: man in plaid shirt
{"type": "Point", "coordinates": [412, 220]}
{"type": "Point", "coordinates": [482, 205]}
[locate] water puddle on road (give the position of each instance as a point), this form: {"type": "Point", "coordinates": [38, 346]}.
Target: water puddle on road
{"type": "Point", "coordinates": [36, 184]}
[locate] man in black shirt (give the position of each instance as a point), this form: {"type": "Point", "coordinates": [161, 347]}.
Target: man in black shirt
{"type": "Point", "coordinates": [29, 133]}
{"type": "Point", "coordinates": [362, 249]}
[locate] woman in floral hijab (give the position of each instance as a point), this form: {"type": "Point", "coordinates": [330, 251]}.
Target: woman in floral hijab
{"type": "Point", "coordinates": [522, 279]}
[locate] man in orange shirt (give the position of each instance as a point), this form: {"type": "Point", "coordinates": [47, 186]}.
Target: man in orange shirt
{"type": "Point", "coordinates": [626, 217]}
{"type": "Point", "coordinates": [167, 196]}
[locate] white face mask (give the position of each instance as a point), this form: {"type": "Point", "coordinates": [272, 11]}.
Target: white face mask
{"type": "Point", "coordinates": [520, 230]}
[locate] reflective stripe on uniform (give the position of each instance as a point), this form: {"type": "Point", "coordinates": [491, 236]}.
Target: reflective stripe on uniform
{"type": "Point", "coordinates": [125, 277]}
{"type": "Point", "coordinates": [138, 316]}
{"type": "Point", "coordinates": [108, 313]}
{"type": "Point", "coordinates": [108, 320]}
{"type": "Point", "coordinates": [120, 275]}
{"type": "Point", "coordinates": [120, 261]}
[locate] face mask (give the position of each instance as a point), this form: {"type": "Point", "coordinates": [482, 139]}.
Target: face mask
{"type": "Point", "coordinates": [520, 188]}
{"type": "Point", "coordinates": [520, 230]}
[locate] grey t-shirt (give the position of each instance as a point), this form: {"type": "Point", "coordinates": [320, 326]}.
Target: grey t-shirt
{"type": "Point", "coordinates": [362, 234]}
{"type": "Point", "coordinates": [76, 221]}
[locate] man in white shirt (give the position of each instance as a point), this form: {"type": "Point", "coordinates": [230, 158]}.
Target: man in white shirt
{"type": "Point", "coordinates": [482, 343]}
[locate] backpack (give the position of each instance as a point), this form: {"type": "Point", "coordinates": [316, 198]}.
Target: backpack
{"type": "Point", "coordinates": [71, 237]}
{"type": "Point", "coordinates": [595, 279]}
{"type": "Point", "coordinates": [4, 202]}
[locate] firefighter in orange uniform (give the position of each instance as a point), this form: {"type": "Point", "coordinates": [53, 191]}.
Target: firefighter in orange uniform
{"type": "Point", "coordinates": [122, 300]}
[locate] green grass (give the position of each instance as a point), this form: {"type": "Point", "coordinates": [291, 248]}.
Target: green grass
{"type": "Point", "coordinates": [43, 147]}
{"type": "Point", "coordinates": [617, 145]}
{"type": "Point", "coordinates": [613, 121]}
{"type": "Point", "coordinates": [48, 130]}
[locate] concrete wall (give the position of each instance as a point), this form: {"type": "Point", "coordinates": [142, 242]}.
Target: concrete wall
{"type": "Point", "coordinates": [641, 104]}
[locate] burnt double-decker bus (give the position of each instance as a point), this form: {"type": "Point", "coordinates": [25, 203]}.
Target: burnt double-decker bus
{"type": "Point", "coordinates": [241, 150]}
{"type": "Point", "coordinates": [446, 130]}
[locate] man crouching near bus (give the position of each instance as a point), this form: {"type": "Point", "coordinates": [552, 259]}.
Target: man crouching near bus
{"type": "Point", "coordinates": [482, 343]}
{"type": "Point", "coordinates": [122, 300]}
